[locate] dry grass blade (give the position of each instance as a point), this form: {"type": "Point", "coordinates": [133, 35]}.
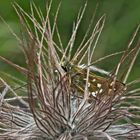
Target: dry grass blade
{"type": "Point", "coordinates": [128, 58]}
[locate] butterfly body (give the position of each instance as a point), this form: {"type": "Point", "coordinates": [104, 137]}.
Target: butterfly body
{"type": "Point", "coordinates": [98, 86]}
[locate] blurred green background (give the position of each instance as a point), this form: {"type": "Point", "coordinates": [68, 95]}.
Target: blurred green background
{"type": "Point", "coordinates": [123, 16]}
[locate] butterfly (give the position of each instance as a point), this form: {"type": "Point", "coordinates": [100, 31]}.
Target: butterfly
{"type": "Point", "coordinates": [98, 86]}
